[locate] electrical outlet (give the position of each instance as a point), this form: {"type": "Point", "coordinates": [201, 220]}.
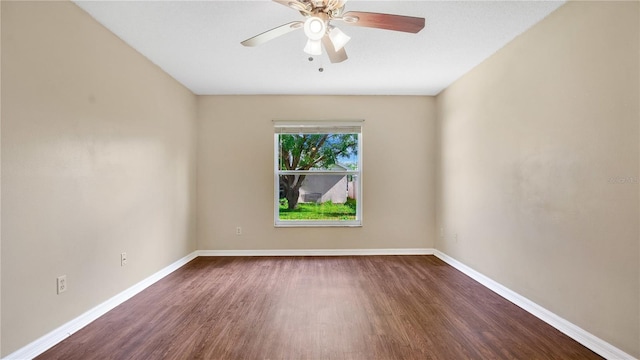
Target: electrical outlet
{"type": "Point", "coordinates": [239, 230]}
{"type": "Point", "coordinates": [123, 259]}
{"type": "Point", "coordinates": [455, 237]}
{"type": "Point", "coordinates": [62, 283]}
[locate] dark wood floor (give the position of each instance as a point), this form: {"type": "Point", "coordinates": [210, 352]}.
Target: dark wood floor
{"type": "Point", "coordinates": [369, 307]}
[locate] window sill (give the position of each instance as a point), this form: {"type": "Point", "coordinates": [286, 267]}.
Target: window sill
{"type": "Point", "coordinates": [307, 224]}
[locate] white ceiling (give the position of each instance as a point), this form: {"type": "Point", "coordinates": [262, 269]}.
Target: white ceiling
{"type": "Point", "coordinates": [198, 43]}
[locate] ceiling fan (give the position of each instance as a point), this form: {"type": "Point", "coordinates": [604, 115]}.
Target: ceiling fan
{"type": "Point", "coordinates": [317, 26]}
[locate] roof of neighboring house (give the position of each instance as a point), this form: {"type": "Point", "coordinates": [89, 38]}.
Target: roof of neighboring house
{"type": "Point", "coordinates": [336, 167]}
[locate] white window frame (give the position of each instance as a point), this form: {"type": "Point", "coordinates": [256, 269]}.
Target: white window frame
{"type": "Point", "coordinates": [319, 127]}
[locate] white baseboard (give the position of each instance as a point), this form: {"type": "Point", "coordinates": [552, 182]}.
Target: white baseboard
{"type": "Point", "coordinates": [316, 252]}
{"type": "Point", "coordinates": [582, 336]}
{"type": "Point", "coordinates": [47, 341]}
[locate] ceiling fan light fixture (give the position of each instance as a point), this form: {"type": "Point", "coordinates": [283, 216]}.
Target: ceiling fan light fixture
{"type": "Point", "coordinates": [338, 38]}
{"type": "Point", "coordinates": [313, 47]}
{"type": "Point", "coordinates": [315, 28]}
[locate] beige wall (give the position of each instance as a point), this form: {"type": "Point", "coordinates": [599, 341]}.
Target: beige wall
{"type": "Point", "coordinates": [98, 150]}
{"type": "Point", "coordinates": [235, 171]}
{"type": "Point", "coordinates": [529, 141]}
{"type": "Point", "coordinates": [0, 188]}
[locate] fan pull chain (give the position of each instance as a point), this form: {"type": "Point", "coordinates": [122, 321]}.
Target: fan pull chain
{"type": "Point", "coordinates": [321, 68]}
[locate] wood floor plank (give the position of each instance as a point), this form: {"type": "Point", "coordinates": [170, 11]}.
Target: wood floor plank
{"type": "Point", "coordinates": [369, 307]}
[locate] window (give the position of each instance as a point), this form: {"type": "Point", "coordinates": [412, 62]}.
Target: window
{"type": "Point", "coordinates": [318, 173]}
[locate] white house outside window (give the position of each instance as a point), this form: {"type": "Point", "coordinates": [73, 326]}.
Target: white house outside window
{"type": "Point", "coordinates": [318, 177]}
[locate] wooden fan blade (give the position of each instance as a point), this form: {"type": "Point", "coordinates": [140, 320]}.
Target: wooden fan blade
{"type": "Point", "coordinates": [273, 33]}
{"type": "Point", "coordinates": [384, 21]}
{"type": "Point", "coordinates": [334, 56]}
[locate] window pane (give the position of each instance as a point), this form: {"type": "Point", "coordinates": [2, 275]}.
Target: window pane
{"type": "Point", "coordinates": [317, 176]}
{"type": "Point", "coordinates": [318, 197]}
{"type": "Point", "coordinates": [318, 151]}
